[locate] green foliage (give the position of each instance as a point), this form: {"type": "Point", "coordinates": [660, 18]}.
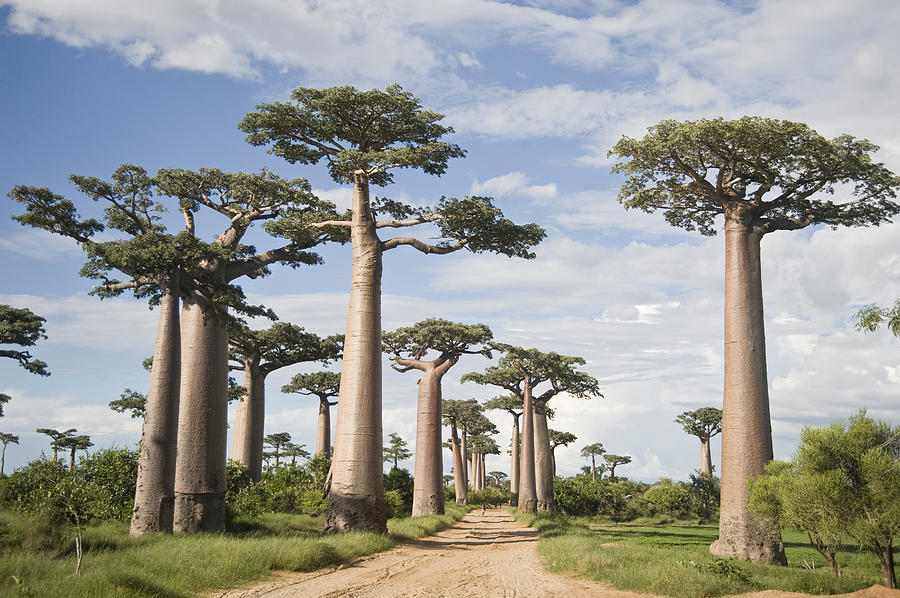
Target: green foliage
{"type": "Point", "coordinates": [398, 490]}
{"type": "Point", "coordinates": [113, 473]}
{"type": "Point", "coordinates": [131, 401]}
{"type": "Point", "coordinates": [369, 131]}
{"type": "Point", "coordinates": [870, 319]}
{"type": "Point", "coordinates": [449, 339]}
{"type": "Point", "coordinates": [774, 172]}
{"type": "Point", "coordinates": [489, 495]}
{"type": "Point", "coordinates": [396, 450]}
{"type": "Point", "coordinates": [281, 345]}
{"type": "Point", "coordinates": [704, 423]}
{"type": "Point", "coordinates": [484, 228]}
{"type": "Point", "coordinates": [707, 489]}
{"type": "Point", "coordinates": [844, 481]}
{"type": "Point", "coordinates": [613, 461]}
{"type": "Point", "coordinates": [672, 498]}
{"type": "Point", "coordinates": [20, 326]}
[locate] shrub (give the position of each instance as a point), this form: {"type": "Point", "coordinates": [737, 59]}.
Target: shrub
{"type": "Point", "coordinates": [401, 481]}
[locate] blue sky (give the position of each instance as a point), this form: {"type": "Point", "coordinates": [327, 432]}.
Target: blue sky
{"type": "Point", "coordinates": [537, 92]}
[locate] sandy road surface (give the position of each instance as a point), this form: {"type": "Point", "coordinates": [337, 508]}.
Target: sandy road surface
{"type": "Point", "coordinates": [482, 555]}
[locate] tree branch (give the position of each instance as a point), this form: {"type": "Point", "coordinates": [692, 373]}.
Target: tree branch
{"type": "Point", "coordinates": [409, 222]}
{"type": "Point", "coordinates": [424, 247]}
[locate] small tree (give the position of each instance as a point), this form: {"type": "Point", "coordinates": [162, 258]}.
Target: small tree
{"type": "Point", "coordinates": [612, 461]}
{"type": "Point", "coordinates": [278, 442]}
{"type": "Point", "coordinates": [6, 439]}
{"type": "Point", "coordinates": [323, 385]}
{"type": "Point", "coordinates": [704, 423]}
{"type": "Point", "coordinates": [844, 480]}
{"type": "Point", "coordinates": [20, 326]}
{"type": "Point", "coordinates": [498, 477]}
{"type": "Point", "coordinates": [706, 486]}
{"type": "Point", "coordinates": [558, 438]}
{"type": "Point", "coordinates": [592, 451]}
{"type": "Point", "coordinates": [82, 442]}
{"type": "Point", "coordinates": [512, 404]}
{"type": "Point", "coordinates": [396, 450]}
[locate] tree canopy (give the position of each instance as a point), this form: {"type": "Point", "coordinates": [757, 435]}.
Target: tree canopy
{"type": "Point", "coordinates": [323, 385]}
{"type": "Point", "coordinates": [704, 423]}
{"type": "Point", "coordinates": [396, 450]}
{"type": "Point", "coordinates": [22, 327]}
{"type": "Point", "coordinates": [449, 340]}
{"type": "Point", "coordinates": [775, 172]}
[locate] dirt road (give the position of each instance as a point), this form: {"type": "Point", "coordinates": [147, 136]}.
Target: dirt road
{"type": "Point", "coordinates": [482, 555]}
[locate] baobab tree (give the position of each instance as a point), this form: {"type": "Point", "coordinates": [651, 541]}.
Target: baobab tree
{"type": "Point", "coordinates": [22, 327]}
{"type": "Point", "coordinates": [592, 451]}
{"type": "Point", "coordinates": [396, 450]}
{"type": "Point", "coordinates": [258, 353]}
{"type": "Point", "coordinates": [166, 268]}
{"type": "Point", "coordinates": [55, 437]}
{"type": "Point", "coordinates": [409, 347]}
{"type": "Point", "coordinates": [81, 442]}
{"type": "Point", "coordinates": [481, 445]}
{"type": "Point", "coordinates": [456, 414]}
{"type": "Point", "coordinates": [363, 136]}
{"type": "Point", "coordinates": [498, 477]}
{"type": "Point", "coordinates": [558, 438]}
{"type": "Point", "coordinates": [6, 439]}
{"type": "Point", "coordinates": [323, 385]}
{"type": "Point", "coordinates": [762, 175]}
{"type": "Point", "coordinates": [512, 404]}
{"type": "Point", "coordinates": [520, 371]}
{"type": "Point", "coordinates": [612, 461]}
{"type": "Point", "coordinates": [704, 423]}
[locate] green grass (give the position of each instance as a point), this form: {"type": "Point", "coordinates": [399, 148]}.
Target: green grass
{"type": "Point", "coordinates": [165, 566]}
{"type": "Point", "coordinates": [674, 560]}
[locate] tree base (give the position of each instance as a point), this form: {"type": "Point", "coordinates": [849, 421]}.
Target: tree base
{"type": "Point", "coordinates": [432, 505]}
{"type": "Point", "coordinates": [527, 505]}
{"type": "Point", "coordinates": [148, 521]}
{"type": "Point", "coordinates": [355, 513]}
{"type": "Point", "coordinates": [200, 512]}
{"type": "Point", "coordinates": [745, 540]}
{"type": "Point", "coordinates": [550, 507]}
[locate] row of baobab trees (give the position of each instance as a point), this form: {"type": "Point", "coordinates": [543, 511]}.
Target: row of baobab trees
{"type": "Point", "coordinates": [761, 175]}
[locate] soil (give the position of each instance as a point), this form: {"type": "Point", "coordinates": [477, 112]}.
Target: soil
{"type": "Point", "coordinates": [481, 555]}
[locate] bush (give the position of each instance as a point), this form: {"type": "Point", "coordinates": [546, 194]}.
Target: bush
{"type": "Point", "coordinates": [672, 498]}
{"type": "Point", "coordinates": [400, 481]}
{"type": "Point", "coordinates": [113, 474]}
{"type": "Point", "coordinates": [490, 495]}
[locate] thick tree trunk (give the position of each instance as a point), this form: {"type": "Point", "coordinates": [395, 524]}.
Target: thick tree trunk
{"type": "Point", "coordinates": [356, 500]}
{"type": "Point", "coordinates": [203, 417]}
{"type": "Point", "coordinates": [543, 463]}
{"type": "Point", "coordinates": [514, 464]}
{"type": "Point", "coordinates": [154, 497]}
{"type": "Point", "coordinates": [459, 480]}
{"type": "Point", "coordinates": [746, 427]}
{"type": "Point", "coordinates": [553, 460]}
{"type": "Point", "coordinates": [323, 432]}
{"type": "Point", "coordinates": [473, 470]}
{"type": "Point", "coordinates": [527, 491]}
{"type": "Point", "coordinates": [428, 468]}
{"type": "Point", "coordinates": [886, 557]}
{"type": "Point", "coordinates": [249, 426]}
{"type": "Point", "coordinates": [705, 457]}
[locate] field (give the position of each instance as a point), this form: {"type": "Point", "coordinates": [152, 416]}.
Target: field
{"type": "Point", "coordinates": [672, 558]}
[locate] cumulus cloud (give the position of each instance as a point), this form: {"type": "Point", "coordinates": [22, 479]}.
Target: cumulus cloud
{"type": "Point", "coordinates": [512, 184]}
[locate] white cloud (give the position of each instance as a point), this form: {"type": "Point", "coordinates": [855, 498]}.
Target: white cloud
{"type": "Point", "coordinates": [512, 184]}
{"type": "Point", "coordinates": [469, 60]}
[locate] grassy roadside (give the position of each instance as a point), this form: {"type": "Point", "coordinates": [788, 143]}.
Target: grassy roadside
{"type": "Point", "coordinates": [674, 560]}
{"type": "Point", "coordinates": [165, 566]}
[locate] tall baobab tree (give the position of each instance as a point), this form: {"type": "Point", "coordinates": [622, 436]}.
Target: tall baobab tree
{"type": "Point", "coordinates": [762, 175]}
{"type": "Point", "coordinates": [258, 353]}
{"type": "Point", "coordinates": [704, 423]}
{"type": "Point", "coordinates": [410, 346]}
{"type": "Point", "coordinates": [558, 438]}
{"type": "Point", "coordinates": [168, 268]}
{"type": "Point", "coordinates": [6, 439]}
{"type": "Point", "coordinates": [520, 371]}
{"type": "Point", "coordinates": [593, 451]}
{"type": "Point", "coordinates": [512, 405]}
{"type": "Point", "coordinates": [363, 136]}
{"type": "Point", "coordinates": [612, 461]}
{"type": "Point", "coordinates": [324, 386]}
{"type": "Point", "coordinates": [481, 445]}
{"type": "Point", "coordinates": [20, 326]}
